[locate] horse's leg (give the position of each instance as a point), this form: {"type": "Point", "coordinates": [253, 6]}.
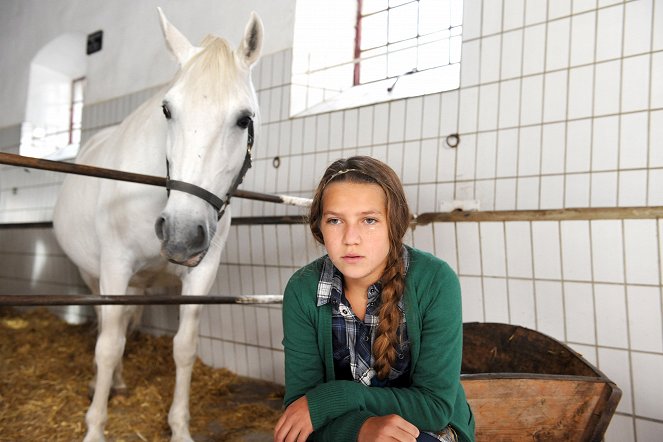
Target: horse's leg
{"type": "Point", "coordinates": [113, 321]}
{"type": "Point", "coordinates": [197, 282]}
{"type": "Point", "coordinates": [131, 319]}
{"type": "Point", "coordinates": [93, 285]}
{"type": "Point", "coordinates": [185, 345]}
{"type": "Point", "coordinates": [119, 387]}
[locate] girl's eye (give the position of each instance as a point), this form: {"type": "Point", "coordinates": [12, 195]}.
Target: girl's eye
{"type": "Point", "coordinates": [333, 221]}
{"type": "Point", "coordinates": [370, 221]}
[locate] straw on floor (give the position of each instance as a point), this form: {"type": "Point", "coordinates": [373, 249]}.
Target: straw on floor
{"type": "Point", "coordinates": [47, 364]}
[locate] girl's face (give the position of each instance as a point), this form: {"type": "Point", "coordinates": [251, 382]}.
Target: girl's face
{"type": "Point", "coordinates": [355, 231]}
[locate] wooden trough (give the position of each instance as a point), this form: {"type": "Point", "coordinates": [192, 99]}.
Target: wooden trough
{"type": "Point", "coordinates": [526, 386]}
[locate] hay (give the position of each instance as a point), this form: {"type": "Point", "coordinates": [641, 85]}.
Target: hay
{"type": "Point", "coordinates": [46, 365]}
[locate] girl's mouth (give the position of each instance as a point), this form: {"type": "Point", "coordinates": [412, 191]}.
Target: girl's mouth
{"type": "Point", "coordinates": [350, 259]}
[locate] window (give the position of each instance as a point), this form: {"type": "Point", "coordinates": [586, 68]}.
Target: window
{"type": "Point", "coordinates": [54, 109]}
{"type": "Point", "coordinates": [349, 54]}
{"type": "Point", "coordinates": [59, 136]}
{"type": "Point", "coordinates": [400, 37]}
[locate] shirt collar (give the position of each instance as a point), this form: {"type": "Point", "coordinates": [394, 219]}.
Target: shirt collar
{"type": "Point", "coordinates": [331, 279]}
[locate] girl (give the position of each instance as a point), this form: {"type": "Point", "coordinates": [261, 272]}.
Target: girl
{"type": "Point", "coordinates": [373, 329]}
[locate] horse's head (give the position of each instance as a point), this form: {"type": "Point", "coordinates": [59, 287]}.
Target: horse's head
{"type": "Point", "coordinates": [209, 110]}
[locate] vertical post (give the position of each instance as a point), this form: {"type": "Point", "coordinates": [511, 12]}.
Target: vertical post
{"type": "Point", "coordinates": [357, 54]}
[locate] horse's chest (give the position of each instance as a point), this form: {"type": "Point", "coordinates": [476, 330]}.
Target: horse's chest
{"type": "Point", "coordinates": [156, 275]}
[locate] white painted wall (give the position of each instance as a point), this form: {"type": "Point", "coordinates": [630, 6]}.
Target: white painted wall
{"type": "Point", "coordinates": [133, 57]}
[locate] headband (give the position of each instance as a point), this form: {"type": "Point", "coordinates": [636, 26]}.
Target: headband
{"type": "Point", "coordinates": [343, 172]}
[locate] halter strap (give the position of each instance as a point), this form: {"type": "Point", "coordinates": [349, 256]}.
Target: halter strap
{"type": "Point", "coordinates": [219, 204]}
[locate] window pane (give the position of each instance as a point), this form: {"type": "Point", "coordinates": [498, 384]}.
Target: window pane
{"type": "Point", "coordinates": [433, 54]}
{"type": "Point", "coordinates": [370, 6]}
{"type": "Point", "coordinates": [394, 3]}
{"type": "Point", "coordinates": [78, 90]}
{"type": "Point", "coordinates": [440, 35]}
{"type": "Point", "coordinates": [456, 12]}
{"type": "Point", "coordinates": [77, 114]}
{"type": "Point", "coordinates": [374, 30]}
{"type": "Point", "coordinates": [433, 16]}
{"type": "Point", "coordinates": [403, 22]}
{"type": "Point", "coordinates": [402, 58]}
{"type": "Point", "coordinates": [374, 68]}
{"type": "Point", "coordinates": [454, 49]}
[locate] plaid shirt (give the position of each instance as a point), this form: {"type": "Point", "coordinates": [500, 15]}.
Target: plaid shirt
{"type": "Point", "coordinates": [352, 338]}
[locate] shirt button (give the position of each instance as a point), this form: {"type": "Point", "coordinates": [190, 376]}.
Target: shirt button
{"type": "Point", "coordinates": [367, 338]}
{"type": "Point", "coordinates": [344, 311]}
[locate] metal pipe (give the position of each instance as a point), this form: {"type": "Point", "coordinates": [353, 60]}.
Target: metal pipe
{"type": "Point", "coordinates": [590, 213]}
{"type": "Point", "coordinates": [235, 221]}
{"type": "Point", "coordinates": [580, 213]}
{"type": "Point", "coordinates": [101, 172]}
{"type": "Point", "coordinates": [51, 300]}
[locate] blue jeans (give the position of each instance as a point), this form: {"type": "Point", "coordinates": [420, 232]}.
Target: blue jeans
{"type": "Point", "coordinates": [448, 435]}
{"type": "Point", "coordinates": [425, 437]}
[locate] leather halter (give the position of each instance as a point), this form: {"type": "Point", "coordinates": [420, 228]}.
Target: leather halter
{"type": "Point", "coordinates": [216, 202]}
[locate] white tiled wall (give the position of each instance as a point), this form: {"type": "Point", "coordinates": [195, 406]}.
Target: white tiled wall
{"type": "Point", "coordinates": [560, 105]}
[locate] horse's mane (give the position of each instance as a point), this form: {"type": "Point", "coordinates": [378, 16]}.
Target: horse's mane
{"type": "Point", "coordinates": [213, 68]}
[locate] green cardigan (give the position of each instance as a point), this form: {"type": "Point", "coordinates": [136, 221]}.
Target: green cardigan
{"type": "Point", "coordinates": [338, 409]}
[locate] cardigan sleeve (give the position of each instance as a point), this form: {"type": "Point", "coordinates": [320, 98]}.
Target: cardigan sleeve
{"type": "Point", "coordinates": [345, 427]}
{"type": "Point", "coordinates": [428, 402]}
{"type": "Point", "coordinates": [304, 365]}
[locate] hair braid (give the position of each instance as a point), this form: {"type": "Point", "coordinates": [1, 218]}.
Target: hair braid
{"type": "Point", "coordinates": [387, 339]}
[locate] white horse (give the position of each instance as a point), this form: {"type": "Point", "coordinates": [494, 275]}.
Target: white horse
{"type": "Point", "coordinates": [200, 125]}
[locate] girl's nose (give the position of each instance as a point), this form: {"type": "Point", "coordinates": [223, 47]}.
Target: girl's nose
{"type": "Point", "coordinates": [351, 235]}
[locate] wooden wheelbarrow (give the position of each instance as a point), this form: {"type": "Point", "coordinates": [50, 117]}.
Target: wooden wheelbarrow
{"type": "Point", "coordinates": [525, 386]}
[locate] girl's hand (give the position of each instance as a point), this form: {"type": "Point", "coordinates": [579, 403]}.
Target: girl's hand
{"type": "Point", "coordinates": [295, 423]}
{"type": "Point", "coordinates": [387, 428]}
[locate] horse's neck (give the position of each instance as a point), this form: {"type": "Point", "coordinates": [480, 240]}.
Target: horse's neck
{"type": "Point", "coordinates": [141, 139]}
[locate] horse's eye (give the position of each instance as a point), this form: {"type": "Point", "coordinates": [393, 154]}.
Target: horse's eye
{"type": "Point", "coordinates": [166, 111]}
{"type": "Point", "coordinates": [244, 122]}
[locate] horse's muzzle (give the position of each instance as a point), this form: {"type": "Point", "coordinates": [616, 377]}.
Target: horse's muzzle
{"type": "Point", "coordinates": [191, 262]}
{"type": "Point", "coordinates": [182, 244]}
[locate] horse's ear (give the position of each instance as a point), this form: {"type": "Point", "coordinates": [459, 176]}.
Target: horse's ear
{"type": "Point", "coordinates": [177, 43]}
{"type": "Point", "coordinates": [251, 45]}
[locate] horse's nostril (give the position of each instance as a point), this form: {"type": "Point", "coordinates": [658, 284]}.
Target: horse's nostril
{"type": "Point", "coordinates": [200, 237]}
{"type": "Point", "coordinates": [159, 228]}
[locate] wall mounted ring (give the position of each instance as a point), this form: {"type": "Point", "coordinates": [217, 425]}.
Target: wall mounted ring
{"type": "Point", "coordinates": [453, 140]}
{"type": "Point", "coordinates": [276, 162]}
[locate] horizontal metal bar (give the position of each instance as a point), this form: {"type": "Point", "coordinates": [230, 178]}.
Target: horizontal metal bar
{"type": "Point", "coordinates": [236, 221]}
{"type": "Point", "coordinates": [264, 220]}
{"type": "Point", "coordinates": [592, 213]}
{"type": "Point", "coordinates": [101, 172]}
{"type": "Point", "coordinates": [80, 169]}
{"type": "Point", "coordinates": [49, 300]}
{"type": "Point", "coordinates": [588, 213]}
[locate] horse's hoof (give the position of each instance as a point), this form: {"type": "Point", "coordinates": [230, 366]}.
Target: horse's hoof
{"type": "Point", "coordinates": [94, 437]}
